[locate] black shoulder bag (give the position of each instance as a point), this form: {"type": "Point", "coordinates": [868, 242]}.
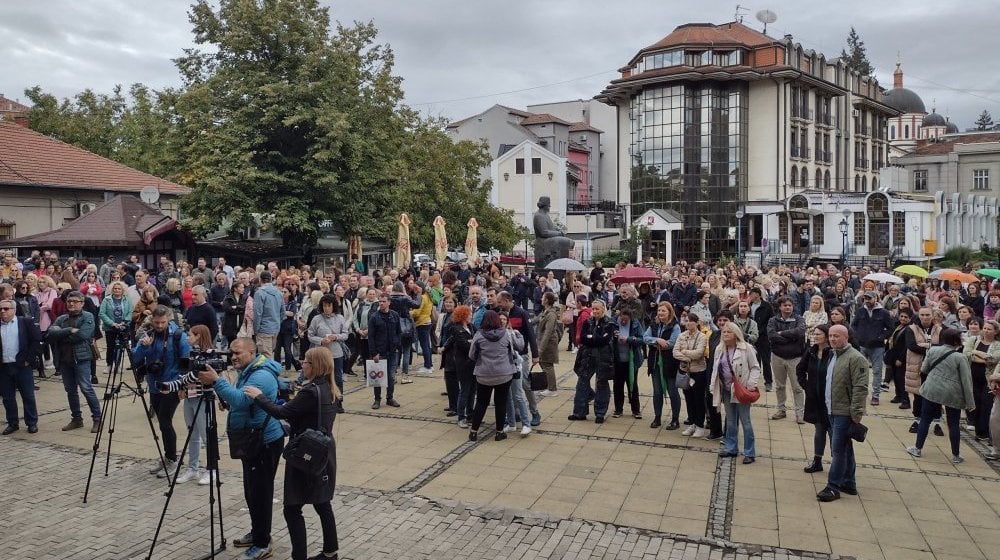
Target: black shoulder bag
{"type": "Point", "coordinates": [309, 450]}
{"type": "Point", "coordinates": [247, 443]}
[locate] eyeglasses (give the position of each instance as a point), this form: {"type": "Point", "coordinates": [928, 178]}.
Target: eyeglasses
{"type": "Point", "coordinates": [6, 308]}
{"type": "Point", "coordinates": [74, 301]}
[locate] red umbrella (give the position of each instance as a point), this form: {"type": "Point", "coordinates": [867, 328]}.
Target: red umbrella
{"type": "Point", "coordinates": [634, 275]}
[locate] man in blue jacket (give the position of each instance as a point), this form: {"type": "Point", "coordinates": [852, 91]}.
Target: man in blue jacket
{"type": "Point", "coordinates": [161, 350]}
{"type": "Point", "coordinates": [256, 370]}
{"type": "Point", "coordinates": [268, 311]}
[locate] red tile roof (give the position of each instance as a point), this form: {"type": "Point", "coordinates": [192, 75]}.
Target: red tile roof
{"type": "Point", "coordinates": [123, 221]}
{"type": "Point", "coordinates": [541, 118]}
{"type": "Point", "coordinates": [11, 106]}
{"type": "Point", "coordinates": [30, 158]}
{"type": "Point", "coordinates": [579, 126]}
{"type": "Point", "coordinates": [707, 34]}
{"type": "Point", "coordinates": [947, 145]}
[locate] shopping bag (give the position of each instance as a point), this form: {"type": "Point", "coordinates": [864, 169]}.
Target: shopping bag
{"type": "Point", "coordinates": [376, 373]}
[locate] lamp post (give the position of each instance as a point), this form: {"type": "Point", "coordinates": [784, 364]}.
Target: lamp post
{"type": "Point", "coordinates": [843, 234]}
{"type": "Point", "coordinates": [739, 237]}
{"type": "Point", "coordinates": [705, 225]}
{"type": "Point", "coordinates": [586, 248]}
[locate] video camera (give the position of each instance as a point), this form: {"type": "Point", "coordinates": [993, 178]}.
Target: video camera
{"type": "Point", "coordinates": [199, 361]}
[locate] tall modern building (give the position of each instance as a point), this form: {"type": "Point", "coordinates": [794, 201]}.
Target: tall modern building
{"type": "Point", "coordinates": [719, 119]}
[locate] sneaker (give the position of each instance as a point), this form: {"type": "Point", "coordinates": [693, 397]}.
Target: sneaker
{"type": "Point", "coordinates": [778, 415]}
{"type": "Point", "coordinates": [171, 467]}
{"type": "Point", "coordinates": [957, 459]}
{"type": "Point", "coordinates": [256, 553]}
{"type": "Point", "coordinates": [73, 424]}
{"type": "Point", "coordinates": [689, 430]}
{"type": "Point", "coordinates": [905, 405]}
{"type": "Point", "coordinates": [405, 381]}
{"type": "Point", "coordinates": [713, 437]}
{"type": "Point", "coordinates": [425, 371]}
{"type": "Point", "coordinates": [673, 425]}
{"type": "Point", "coordinates": [970, 428]}
{"type": "Point", "coordinates": [700, 432]}
{"type": "Point", "coordinates": [525, 430]}
{"type": "Point", "coordinates": [874, 401]}
{"type": "Point", "coordinates": [244, 541]}
{"type": "Point", "coordinates": [799, 420]}
{"type": "Point", "coordinates": [393, 403]}
{"type": "Point", "coordinates": [464, 424]}
{"type": "Point", "coordinates": [768, 387]}
{"type": "Point", "coordinates": [637, 416]}
{"type": "Point", "coordinates": [573, 351]}
{"type": "Point", "coordinates": [157, 467]}
{"type": "Point", "coordinates": [937, 430]}
{"type": "Point", "coordinates": [536, 419]}
{"type": "Point", "coordinates": [915, 451]}
{"type": "Point", "coordinates": [509, 429]}
{"type": "Point", "coordinates": [499, 436]}
{"type": "Point", "coordinates": [377, 404]}
{"type": "Point", "coordinates": [547, 393]}
{"type": "Point", "coordinates": [616, 414]}
{"type": "Point", "coordinates": [895, 400]}
{"type": "Point", "coordinates": [206, 478]}
{"type": "Point", "coordinates": [189, 474]}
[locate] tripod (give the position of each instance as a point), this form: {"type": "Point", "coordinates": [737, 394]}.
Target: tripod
{"type": "Point", "coordinates": [109, 414]}
{"type": "Point", "coordinates": [206, 404]}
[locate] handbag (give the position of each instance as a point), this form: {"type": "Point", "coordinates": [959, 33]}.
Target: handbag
{"type": "Point", "coordinates": [682, 380]}
{"type": "Point", "coordinates": [744, 395]}
{"type": "Point", "coordinates": [309, 450]}
{"type": "Point", "coordinates": [247, 443]}
{"type": "Point", "coordinates": [95, 350]}
{"type": "Point", "coordinates": [567, 317]}
{"type": "Point", "coordinates": [538, 380]}
{"type": "Point", "coordinates": [858, 432]}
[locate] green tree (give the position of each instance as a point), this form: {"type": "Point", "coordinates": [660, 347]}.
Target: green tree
{"type": "Point", "coordinates": [985, 121]}
{"type": "Point", "coordinates": [856, 55]}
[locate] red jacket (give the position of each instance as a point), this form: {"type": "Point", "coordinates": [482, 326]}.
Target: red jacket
{"type": "Point", "coordinates": [580, 320]}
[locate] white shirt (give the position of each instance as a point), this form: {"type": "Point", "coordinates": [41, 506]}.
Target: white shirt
{"type": "Point", "coordinates": [829, 382]}
{"type": "Point", "coordinates": [8, 337]}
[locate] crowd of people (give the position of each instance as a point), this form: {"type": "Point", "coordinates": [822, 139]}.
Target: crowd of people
{"type": "Point", "coordinates": [716, 336]}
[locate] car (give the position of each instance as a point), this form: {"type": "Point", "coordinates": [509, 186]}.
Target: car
{"type": "Point", "coordinates": [421, 258]}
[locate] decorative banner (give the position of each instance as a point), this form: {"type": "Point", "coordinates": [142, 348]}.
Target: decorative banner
{"type": "Point", "coordinates": [403, 242]}
{"type": "Point", "coordinates": [471, 241]}
{"type": "Point", "coordinates": [440, 242]}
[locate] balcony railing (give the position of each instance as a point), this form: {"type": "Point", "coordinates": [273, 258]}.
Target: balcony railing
{"type": "Point", "coordinates": [593, 207]}
{"type": "Point", "coordinates": [864, 130]}
{"type": "Point", "coordinates": [800, 152]}
{"type": "Point", "coordinates": [824, 156]}
{"type": "Point", "coordinates": [824, 118]}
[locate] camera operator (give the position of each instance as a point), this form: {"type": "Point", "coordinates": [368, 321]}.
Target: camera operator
{"type": "Point", "coordinates": [161, 350]}
{"type": "Point", "coordinates": [255, 370]}
{"type": "Point", "coordinates": [190, 391]}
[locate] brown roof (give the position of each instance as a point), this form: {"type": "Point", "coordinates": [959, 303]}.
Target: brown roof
{"type": "Point", "coordinates": [541, 118]}
{"type": "Point", "coordinates": [11, 106]}
{"type": "Point", "coordinates": [30, 158]}
{"type": "Point", "coordinates": [947, 145]}
{"type": "Point", "coordinates": [578, 126]}
{"type": "Point", "coordinates": [511, 110]}
{"type": "Point", "coordinates": [707, 34]}
{"type": "Point", "coordinates": [123, 221]}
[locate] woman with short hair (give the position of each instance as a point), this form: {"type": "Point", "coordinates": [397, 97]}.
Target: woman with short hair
{"type": "Point", "coordinates": [735, 359]}
{"type": "Point", "coordinates": [948, 384]}
{"type": "Point", "coordinates": [329, 329]}
{"type": "Point", "coordinates": [492, 352]}
{"type": "Point", "coordinates": [690, 353]}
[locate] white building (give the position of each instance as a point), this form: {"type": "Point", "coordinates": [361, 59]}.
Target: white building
{"type": "Point", "coordinates": [715, 119]}
{"type": "Point", "coordinates": [913, 123]}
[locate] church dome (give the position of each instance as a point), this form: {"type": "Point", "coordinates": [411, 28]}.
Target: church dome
{"type": "Point", "coordinates": [904, 100]}
{"type": "Point", "coordinates": [951, 128]}
{"type": "Point", "coordinates": [934, 119]}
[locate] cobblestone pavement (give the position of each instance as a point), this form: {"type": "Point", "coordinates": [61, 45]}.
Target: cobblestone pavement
{"type": "Point", "coordinates": [411, 485]}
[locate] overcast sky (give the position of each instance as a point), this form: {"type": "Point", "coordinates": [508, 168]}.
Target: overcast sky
{"type": "Point", "coordinates": [458, 57]}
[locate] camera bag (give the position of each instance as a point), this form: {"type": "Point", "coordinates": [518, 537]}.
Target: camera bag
{"type": "Point", "coordinates": [308, 451]}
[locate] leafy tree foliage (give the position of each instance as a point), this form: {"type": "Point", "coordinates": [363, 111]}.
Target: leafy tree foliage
{"type": "Point", "coordinates": [856, 55]}
{"type": "Point", "coordinates": [985, 121]}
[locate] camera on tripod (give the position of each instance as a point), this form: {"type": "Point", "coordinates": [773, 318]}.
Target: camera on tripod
{"type": "Point", "coordinates": [199, 361]}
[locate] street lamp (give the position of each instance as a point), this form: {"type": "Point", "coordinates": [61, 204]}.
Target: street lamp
{"type": "Point", "coordinates": [739, 237]}
{"type": "Point", "coordinates": [843, 233]}
{"type": "Point", "coordinates": [586, 248]}
{"type": "Point", "coordinates": [705, 225]}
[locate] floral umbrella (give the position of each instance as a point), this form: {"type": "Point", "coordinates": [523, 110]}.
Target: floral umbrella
{"type": "Point", "coordinates": [471, 241]}
{"type": "Point", "coordinates": [440, 242]}
{"type": "Point", "coordinates": [403, 242]}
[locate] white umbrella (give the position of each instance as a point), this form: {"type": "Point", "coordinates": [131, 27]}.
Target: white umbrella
{"type": "Point", "coordinates": [566, 264]}
{"type": "Point", "coordinates": [883, 278]}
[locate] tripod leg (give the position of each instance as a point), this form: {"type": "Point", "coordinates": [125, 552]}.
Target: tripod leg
{"type": "Point", "coordinates": [110, 396]}
{"type": "Point", "coordinates": [141, 393]}
{"type": "Point", "coordinates": [215, 491]}
{"type": "Point", "coordinates": [172, 483]}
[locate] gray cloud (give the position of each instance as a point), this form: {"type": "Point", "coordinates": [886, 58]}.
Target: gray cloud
{"type": "Point", "coordinates": [457, 57]}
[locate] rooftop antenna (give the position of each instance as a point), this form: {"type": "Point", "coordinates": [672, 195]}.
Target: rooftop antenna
{"type": "Point", "coordinates": [766, 17]}
{"type": "Point", "coordinates": [740, 10]}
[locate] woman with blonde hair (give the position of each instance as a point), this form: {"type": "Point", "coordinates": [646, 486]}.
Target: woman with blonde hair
{"type": "Point", "coordinates": [115, 315]}
{"type": "Point", "coordinates": [814, 317]}
{"type": "Point", "coordinates": [735, 359]}
{"type": "Point", "coordinates": [312, 408]}
{"type": "Point", "coordinates": [201, 340]}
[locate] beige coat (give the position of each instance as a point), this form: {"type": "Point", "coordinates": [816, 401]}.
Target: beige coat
{"type": "Point", "coordinates": [746, 368]}
{"type": "Point", "coordinates": [914, 360]}
{"type": "Point", "coordinates": [690, 351]}
{"type": "Point", "coordinates": [548, 335]}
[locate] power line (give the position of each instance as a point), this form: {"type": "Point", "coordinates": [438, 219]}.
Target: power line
{"type": "Point", "coordinates": [497, 94]}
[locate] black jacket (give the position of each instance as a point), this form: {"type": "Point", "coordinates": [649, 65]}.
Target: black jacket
{"type": "Point", "coordinates": [301, 413]}
{"type": "Point", "coordinates": [596, 353]}
{"type": "Point", "coordinates": [519, 321]}
{"type": "Point", "coordinates": [872, 327]}
{"type": "Point", "coordinates": [811, 373]}
{"type": "Point", "coordinates": [234, 310]}
{"type": "Point", "coordinates": [762, 317]}
{"type": "Point", "coordinates": [29, 342]}
{"type": "Point", "coordinates": [787, 337]}
{"type": "Point", "coordinates": [456, 349]}
{"type": "Point", "coordinates": [384, 334]}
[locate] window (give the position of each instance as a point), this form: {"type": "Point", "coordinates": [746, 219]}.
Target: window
{"type": "Point", "coordinates": [783, 227]}
{"type": "Point", "coordinates": [898, 228]}
{"type": "Point", "coordinates": [818, 232]}
{"type": "Point", "coordinates": [794, 177]}
{"type": "Point", "coordinates": [519, 166]}
{"type": "Point", "coordinates": [826, 180]}
{"type": "Point", "coordinates": [906, 132]}
{"type": "Point", "coordinates": [859, 228]}
{"type": "Point", "coordinates": [981, 179]}
{"type": "Point", "coordinates": [920, 180]}
{"type": "Point", "coordinates": [6, 231]}
{"type": "Point", "coordinates": [819, 180]}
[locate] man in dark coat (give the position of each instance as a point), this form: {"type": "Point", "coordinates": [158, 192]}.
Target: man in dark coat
{"type": "Point", "coordinates": [762, 312]}
{"type": "Point", "coordinates": [20, 341]}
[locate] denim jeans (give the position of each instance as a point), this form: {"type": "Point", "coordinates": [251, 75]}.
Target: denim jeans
{"type": "Point", "coordinates": [424, 337]}
{"type": "Point", "coordinates": [823, 431]}
{"type": "Point", "coordinates": [404, 356]}
{"type": "Point", "coordinates": [843, 466]}
{"type": "Point", "coordinates": [737, 413]}
{"type": "Point", "coordinates": [529, 395]}
{"type": "Point", "coordinates": [517, 403]}
{"type": "Point", "coordinates": [581, 400]}
{"type": "Point", "coordinates": [14, 379]}
{"type": "Point", "coordinates": [197, 426]}
{"type": "Point", "coordinates": [284, 346]}
{"type": "Point", "coordinates": [390, 372]}
{"type": "Point", "coordinates": [672, 392]}
{"type": "Point", "coordinates": [78, 376]}
{"type": "Point", "coordinates": [338, 373]}
{"type": "Point", "coordinates": [952, 415]}
{"type": "Point", "coordinates": [875, 356]}
{"type": "Point", "coordinates": [466, 395]}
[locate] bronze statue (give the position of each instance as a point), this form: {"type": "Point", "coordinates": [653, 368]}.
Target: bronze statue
{"type": "Point", "coordinates": [550, 242]}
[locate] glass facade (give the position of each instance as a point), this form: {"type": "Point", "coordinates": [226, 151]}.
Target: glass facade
{"type": "Point", "coordinates": [689, 152]}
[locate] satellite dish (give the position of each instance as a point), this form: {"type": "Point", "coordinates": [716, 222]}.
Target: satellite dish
{"type": "Point", "coordinates": [766, 17]}
{"type": "Point", "coordinates": [149, 194]}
